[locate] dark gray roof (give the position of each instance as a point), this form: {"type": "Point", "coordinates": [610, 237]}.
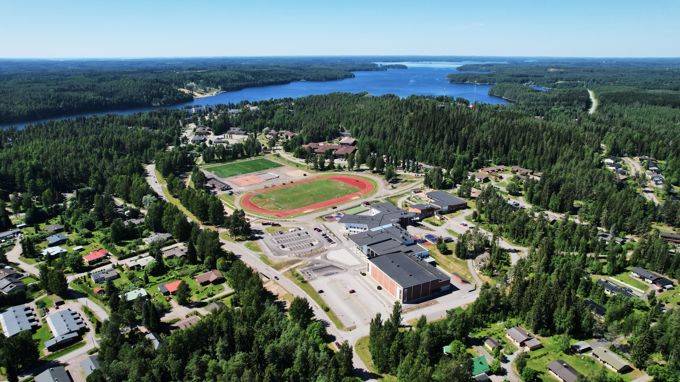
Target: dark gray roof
{"type": "Point", "coordinates": [644, 274]}
{"type": "Point", "coordinates": [17, 319]}
{"type": "Point", "coordinates": [9, 234]}
{"type": "Point", "coordinates": [58, 238]}
{"type": "Point", "coordinates": [518, 334]}
{"type": "Point", "coordinates": [670, 235]}
{"type": "Point", "coordinates": [62, 339]}
{"type": "Point", "coordinates": [53, 374]}
{"type": "Point", "coordinates": [89, 364]}
{"type": "Point", "coordinates": [596, 308]}
{"type": "Point", "coordinates": [443, 199]}
{"type": "Point", "coordinates": [564, 371]}
{"type": "Point", "coordinates": [104, 275]}
{"type": "Point", "coordinates": [616, 289]}
{"type": "Point", "coordinates": [54, 228]}
{"type": "Point", "coordinates": [391, 233]}
{"type": "Point", "coordinates": [10, 285]}
{"type": "Point", "coordinates": [407, 271]}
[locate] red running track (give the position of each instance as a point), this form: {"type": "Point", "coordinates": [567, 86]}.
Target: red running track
{"type": "Point", "coordinates": [363, 185]}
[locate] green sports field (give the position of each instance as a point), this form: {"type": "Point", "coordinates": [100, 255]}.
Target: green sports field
{"type": "Point", "coordinates": [301, 195]}
{"type": "Point", "coordinates": [225, 170]}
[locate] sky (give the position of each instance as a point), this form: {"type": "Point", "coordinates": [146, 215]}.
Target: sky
{"type": "Point", "coordinates": [182, 28]}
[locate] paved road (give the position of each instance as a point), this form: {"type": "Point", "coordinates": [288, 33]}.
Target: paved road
{"type": "Point", "coordinates": [14, 256]}
{"type": "Point", "coordinates": [635, 168]}
{"type": "Point", "coordinates": [153, 181]}
{"type": "Point", "coordinates": [594, 102]}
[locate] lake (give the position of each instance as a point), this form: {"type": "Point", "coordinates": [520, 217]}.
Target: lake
{"type": "Point", "coordinates": [421, 78]}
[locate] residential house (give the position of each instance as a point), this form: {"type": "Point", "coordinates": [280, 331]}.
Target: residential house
{"type": "Point", "coordinates": [670, 237]}
{"type": "Point", "coordinates": [610, 288]}
{"type": "Point", "coordinates": [479, 366]}
{"type": "Point", "coordinates": [9, 235]}
{"type": "Point", "coordinates": [135, 294]}
{"type": "Point", "coordinates": [56, 239]}
{"type": "Point", "coordinates": [492, 170]}
{"type": "Point", "coordinates": [210, 277]}
{"type": "Point", "coordinates": [96, 256]}
{"type": "Point", "coordinates": [65, 321]}
{"type": "Point", "coordinates": [137, 262]}
{"type": "Point", "coordinates": [611, 360]}
{"type": "Point", "coordinates": [479, 177]}
{"type": "Point", "coordinates": [491, 344]}
{"type": "Point", "coordinates": [104, 276]}
{"type": "Point", "coordinates": [598, 310]}
{"type": "Point", "coordinates": [581, 347]}
{"type": "Point", "coordinates": [54, 374]}
{"type": "Point", "coordinates": [563, 371]}
{"type": "Point", "coordinates": [170, 288]}
{"type": "Point", "coordinates": [660, 282]}
{"type": "Point", "coordinates": [54, 228]}
{"type": "Point", "coordinates": [89, 364]}
{"type": "Point", "coordinates": [53, 251]}
{"type": "Point", "coordinates": [157, 238]}
{"type": "Point", "coordinates": [18, 318]}
{"type": "Point", "coordinates": [522, 339]}
{"type": "Point", "coordinates": [177, 251]}
{"type": "Point", "coordinates": [9, 286]}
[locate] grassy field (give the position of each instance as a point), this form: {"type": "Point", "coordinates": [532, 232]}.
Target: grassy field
{"type": "Point", "coordinates": [451, 263]}
{"type": "Point", "coordinates": [303, 194]}
{"type": "Point", "coordinates": [355, 210]}
{"type": "Point", "coordinates": [253, 246]}
{"type": "Point", "coordinates": [226, 170]}
{"type": "Point", "coordinates": [584, 364]}
{"type": "Point", "coordinates": [625, 277]}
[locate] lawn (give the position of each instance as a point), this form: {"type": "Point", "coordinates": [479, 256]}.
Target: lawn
{"type": "Point", "coordinates": [303, 194]}
{"type": "Point", "coordinates": [253, 246]}
{"type": "Point", "coordinates": [584, 364]}
{"type": "Point", "coordinates": [626, 278]}
{"type": "Point", "coordinates": [451, 263]}
{"type": "Point", "coordinates": [355, 210]}
{"type": "Point", "coordinates": [226, 170]}
{"type": "Point", "coordinates": [671, 296]}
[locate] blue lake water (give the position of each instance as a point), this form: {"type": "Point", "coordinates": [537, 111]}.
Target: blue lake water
{"type": "Point", "coordinates": [421, 78]}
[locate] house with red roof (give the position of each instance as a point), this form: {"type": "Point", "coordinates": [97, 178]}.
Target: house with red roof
{"type": "Point", "coordinates": [95, 256]}
{"type": "Point", "coordinates": [170, 288]}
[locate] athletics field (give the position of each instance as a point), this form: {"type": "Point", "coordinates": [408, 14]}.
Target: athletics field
{"type": "Point", "coordinates": [307, 195]}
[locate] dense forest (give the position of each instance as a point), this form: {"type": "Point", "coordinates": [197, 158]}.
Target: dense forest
{"type": "Point", "coordinates": [458, 138]}
{"type": "Point", "coordinates": [32, 90]}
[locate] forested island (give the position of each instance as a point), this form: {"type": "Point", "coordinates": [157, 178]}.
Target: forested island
{"type": "Point", "coordinates": [31, 90]}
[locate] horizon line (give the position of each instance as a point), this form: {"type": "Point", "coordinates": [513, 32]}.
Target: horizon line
{"type": "Point", "coordinates": [83, 58]}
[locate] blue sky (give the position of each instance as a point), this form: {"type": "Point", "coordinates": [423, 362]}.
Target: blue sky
{"type": "Point", "coordinates": [145, 28]}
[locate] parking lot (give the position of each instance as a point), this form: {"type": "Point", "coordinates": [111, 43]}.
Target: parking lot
{"type": "Point", "coordinates": [354, 298]}
{"type": "Point", "coordinates": [296, 242]}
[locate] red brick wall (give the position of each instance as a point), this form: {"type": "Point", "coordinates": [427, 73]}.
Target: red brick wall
{"type": "Point", "coordinates": [383, 280]}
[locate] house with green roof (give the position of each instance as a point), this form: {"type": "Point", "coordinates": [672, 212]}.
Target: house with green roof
{"type": "Point", "coordinates": [479, 366]}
